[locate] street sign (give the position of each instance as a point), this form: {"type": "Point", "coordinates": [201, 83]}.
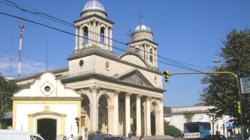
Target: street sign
{"type": "Point", "coordinates": [245, 85]}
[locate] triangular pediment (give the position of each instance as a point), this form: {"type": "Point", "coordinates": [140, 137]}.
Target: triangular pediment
{"type": "Point", "coordinates": [135, 77]}
{"type": "Point", "coordinates": [47, 86]}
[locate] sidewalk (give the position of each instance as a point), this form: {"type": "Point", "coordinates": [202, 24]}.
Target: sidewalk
{"type": "Point", "coordinates": [157, 138]}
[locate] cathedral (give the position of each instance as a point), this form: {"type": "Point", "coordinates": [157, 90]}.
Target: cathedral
{"type": "Point", "coordinates": [98, 91]}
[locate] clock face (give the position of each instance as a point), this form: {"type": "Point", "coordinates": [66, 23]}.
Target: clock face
{"type": "Point", "coordinates": [47, 88]}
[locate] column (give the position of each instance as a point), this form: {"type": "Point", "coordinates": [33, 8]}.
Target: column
{"type": "Point", "coordinates": [94, 30]}
{"type": "Point", "coordinates": [148, 54]}
{"type": "Point", "coordinates": [148, 117]}
{"type": "Point", "coordinates": [161, 118]}
{"type": "Point", "coordinates": [110, 40]}
{"type": "Point", "coordinates": [106, 40]}
{"type": "Point", "coordinates": [115, 120]}
{"type": "Point", "coordinates": [127, 113]}
{"type": "Point", "coordinates": [91, 34]}
{"type": "Point", "coordinates": [138, 115]}
{"type": "Point", "coordinates": [98, 31]}
{"type": "Point", "coordinates": [156, 58]}
{"type": "Point", "coordinates": [110, 119]}
{"type": "Point", "coordinates": [94, 110]}
{"type": "Point", "coordinates": [157, 122]}
{"type": "Point", "coordinates": [76, 38]}
{"type": "Point", "coordinates": [80, 38]}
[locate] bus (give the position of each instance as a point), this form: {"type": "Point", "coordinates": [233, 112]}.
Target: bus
{"type": "Point", "coordinates": [196, 130]}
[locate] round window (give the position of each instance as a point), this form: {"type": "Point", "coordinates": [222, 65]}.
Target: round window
{"type": "Point", "coordinates": [47, 88]}
{"type": "Point", "coordinates": [81, 62]}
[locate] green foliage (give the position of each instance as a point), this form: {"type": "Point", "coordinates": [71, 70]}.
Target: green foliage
{"type": "Point", "coordinates": [6, 123]}
{"type": "Point", "coordinates": [188, 116]}
{"type": "Point", "coordinates": [7, 88]}
{"type": "Point", "coordinates": [172, 130]}
{"type": "Point", "coordinates": [222, 90]}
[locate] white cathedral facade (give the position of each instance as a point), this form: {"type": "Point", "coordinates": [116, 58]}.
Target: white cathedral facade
{"type": "Point", "coordinates": [98, 91]}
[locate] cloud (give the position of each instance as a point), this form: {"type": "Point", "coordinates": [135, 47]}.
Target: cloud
{"type": "Point", "coordinates": [28, 66]}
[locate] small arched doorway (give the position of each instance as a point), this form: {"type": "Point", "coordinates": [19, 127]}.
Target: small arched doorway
{"type": "Point", "coordinates": [47, 128]}
{"type": "Point", "coordinates": [85, 112]}
{"type": "Point", "coordinates": [103, 114]}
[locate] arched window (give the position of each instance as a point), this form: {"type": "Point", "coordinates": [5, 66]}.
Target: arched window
{"type": "Point", "coordinates": [85, 35]}
{"type": "Point", "coordinates": [102, 35]}
{"type": "Point", "coordinates": [151, 55]}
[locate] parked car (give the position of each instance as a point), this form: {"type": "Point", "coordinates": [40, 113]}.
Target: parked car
{"type": "Point", "coordinates": [18, 135]}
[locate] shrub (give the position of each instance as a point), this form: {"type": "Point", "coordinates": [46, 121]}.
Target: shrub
{"type": "Point", "coordinates": [172, 130]}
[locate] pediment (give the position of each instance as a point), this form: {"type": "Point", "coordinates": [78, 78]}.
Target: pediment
{"type": "Point", "coordinates": [135, 77]}
{"type": "Point", "coordinates": [47, 86]}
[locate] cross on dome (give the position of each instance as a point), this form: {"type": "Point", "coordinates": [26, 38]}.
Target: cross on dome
{"type": "Point", "coordinates": [142, 26]}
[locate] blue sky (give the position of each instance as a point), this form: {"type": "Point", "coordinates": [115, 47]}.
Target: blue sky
{"type": "Point", "coordinates": [188, 30]}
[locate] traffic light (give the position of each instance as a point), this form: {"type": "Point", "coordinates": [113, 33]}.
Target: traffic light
{"type": "Point", "coordinates": [166, 75]}
{"type": "Point", "coordinates": [238, 107]}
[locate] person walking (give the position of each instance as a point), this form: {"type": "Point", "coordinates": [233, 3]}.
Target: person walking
{"type": "Point", "coordinates": [122, 137]}
{"type": "Point", "coordinates": [141, 137]}
{"type": "Point", "coordinates": [97, 136]}
{"type": "Point", "coordinates": [129, 136]}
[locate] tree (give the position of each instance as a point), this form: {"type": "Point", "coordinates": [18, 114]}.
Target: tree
{"type": "Point", "coordinates": [188, 116]}
{"type": "Point", "coordinates": [172, 130]}
{"type": "Point", "coordinates": [222, 90]}
{"type": "Point", "coordinates": [7, 88]}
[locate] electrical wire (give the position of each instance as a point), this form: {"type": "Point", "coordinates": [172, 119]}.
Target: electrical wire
{"type": "Point", "coordinates": [58, 20]}
{"type": "Point", "coordinates": [72, 34]}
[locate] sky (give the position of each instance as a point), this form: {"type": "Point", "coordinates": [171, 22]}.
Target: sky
{"type": "Point", "coordinates": [190, 31]}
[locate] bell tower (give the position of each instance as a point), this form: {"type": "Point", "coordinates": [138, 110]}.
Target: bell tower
{"type": "Point", "coordinates": [143, 44]}
{"type": "Point", "coordinates": [93, 29]}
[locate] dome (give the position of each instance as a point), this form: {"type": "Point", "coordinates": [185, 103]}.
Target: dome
{"type": "Point", "coordinates": [93, 5]}
{"type": "Point", "coordinates": [142, 27]}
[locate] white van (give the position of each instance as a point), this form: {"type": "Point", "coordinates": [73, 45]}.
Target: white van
{"type": "Point", "coordinates": [18, 135]}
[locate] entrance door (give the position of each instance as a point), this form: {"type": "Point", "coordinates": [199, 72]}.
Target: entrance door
{"type": "Point", "coordinates": [47, 128]}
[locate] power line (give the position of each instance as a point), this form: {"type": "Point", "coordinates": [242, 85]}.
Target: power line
{"type": "Point", "coordinates": [72, 34]}
{"type": "Point", "coordinates": [58, 20]}
{"type": "Point", "coordinates": [40, 14]}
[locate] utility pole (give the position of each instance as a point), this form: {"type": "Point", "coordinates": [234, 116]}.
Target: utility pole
{"type": "Point", "coordinates": [21, 30]}
{"type": "Point", "coordinates": [168, 74]}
